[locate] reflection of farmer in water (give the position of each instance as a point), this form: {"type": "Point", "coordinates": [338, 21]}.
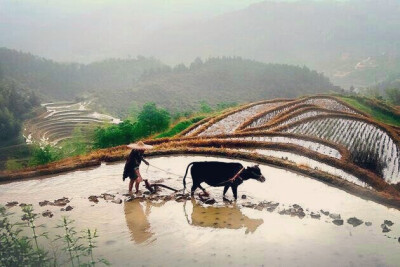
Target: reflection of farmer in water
{"type": "Point", "coordinates": [132, 164]}
{"type": "Point", "coordinates": [229, 217]}
{"type": "Point", "coordinates": [137, 219]}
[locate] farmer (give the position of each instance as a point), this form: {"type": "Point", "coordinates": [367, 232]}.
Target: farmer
{"type": "Point", "coordinates": [132, 164]}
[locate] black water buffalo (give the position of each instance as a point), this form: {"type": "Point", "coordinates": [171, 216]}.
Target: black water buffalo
{"type": "Point", "coordinates": [216, 173]}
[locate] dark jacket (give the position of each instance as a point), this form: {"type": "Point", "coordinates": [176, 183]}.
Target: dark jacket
{"type": "Point", "coordinates": [132, 163]}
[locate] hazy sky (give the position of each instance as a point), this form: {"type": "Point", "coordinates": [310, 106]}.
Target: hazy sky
{"type": "Point", "coordinates": [87, 30]}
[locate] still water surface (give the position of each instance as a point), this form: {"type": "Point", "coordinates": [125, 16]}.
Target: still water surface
{"type": "Point", "coordinates": [170, 233]}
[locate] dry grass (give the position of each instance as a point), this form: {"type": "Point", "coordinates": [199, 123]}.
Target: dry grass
{"type": "Point", "coordinates": [342, 150]}
{"type": "Point", "coordinates": [385, 194]}
{"type": "Point", "coordinates": [303, 165]}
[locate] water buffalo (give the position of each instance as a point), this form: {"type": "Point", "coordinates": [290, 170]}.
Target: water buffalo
{"type": "Point", "coordinates": [216, 173]}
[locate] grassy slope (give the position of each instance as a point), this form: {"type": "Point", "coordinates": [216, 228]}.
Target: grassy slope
{"type": "Point", "coordinates": [180, 126]}
{"type": "Point", "coordinates": [375, 111]}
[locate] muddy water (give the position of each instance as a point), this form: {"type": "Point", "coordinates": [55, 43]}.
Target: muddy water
{"type": "Point", "coordinates": [170, 233]}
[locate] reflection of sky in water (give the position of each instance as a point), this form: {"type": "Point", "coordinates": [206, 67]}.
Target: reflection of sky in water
{"type": "Point", "coordinates": [159, 233]}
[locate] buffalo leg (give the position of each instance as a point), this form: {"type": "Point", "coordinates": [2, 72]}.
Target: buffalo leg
{"type": "Point", "coordinates": [226, 189]}
{"type": "Point", "coordinates": [204, 191]}
{"type": "Point", "coordinates": [234, 191]}
{"type": "Point", "coordinates": [194, 187]}
{"type": "Point", "coordinates": [202, 188]}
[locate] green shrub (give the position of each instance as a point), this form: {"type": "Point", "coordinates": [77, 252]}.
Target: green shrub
{"type": "Point", "coordinates": [393, 95]}
{"type": "Point", "coordinates": [205, 107]}
{"type": "Point", "coordinates": [150, 120]}
{"type": "Point", "coordinates": [78, 144]}
{"type": "Point", "coordinates": [225, 105]}
{"type": "Point", "coordinates": [179, 127]}
{"type": "Point", "coordinates": [13, 164]}
{"type": "Point", "coordinates": [44, 155]}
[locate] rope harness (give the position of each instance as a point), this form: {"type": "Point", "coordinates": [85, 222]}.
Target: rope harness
{"type": "Point", "coordinates": [237, 175]}
{"type": "Point", "coordinates": [164, 170]}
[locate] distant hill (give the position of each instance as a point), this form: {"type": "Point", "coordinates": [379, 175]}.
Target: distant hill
{"type": "Point", "coordinates": [117, 84]}
{"type": "Point", "coordinates": [65, 81]}
{"type": "Point", "coordinates": [225, 80]}
{"type": "Point", "coordinates": [353, 42]}
{"type": "Point", "coordinates": [393, 81]}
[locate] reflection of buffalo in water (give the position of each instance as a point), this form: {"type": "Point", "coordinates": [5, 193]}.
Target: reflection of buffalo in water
{"type": "Point", "coordinates": [230, 217]}
{"type": "Point", "coordinates": [137, 220]}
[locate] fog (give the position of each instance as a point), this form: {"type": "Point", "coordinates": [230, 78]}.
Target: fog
{"type": "Point", "coordinates": [89, 30]}
{"type": "Point", "coordinates": [353, 42]}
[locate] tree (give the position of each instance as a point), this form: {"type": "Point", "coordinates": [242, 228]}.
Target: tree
{"type": "Point", "coordinates": [44, 155]}
{"type": "Point", "coordinates": [197, 63]}
{"type": "Point", "coordinates": [205, 107]}
{"type": "Point", "coordinates": [152, 120]}
{"type": "Point", "coordinates": [180, 68]}
{"type": "Point", "coordinates": [373, 93]}
{"type": "Point", "coordinates": [393, 95]}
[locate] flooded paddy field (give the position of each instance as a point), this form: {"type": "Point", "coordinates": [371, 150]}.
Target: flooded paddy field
{"type": "Point", "coordinates": [287, 220]}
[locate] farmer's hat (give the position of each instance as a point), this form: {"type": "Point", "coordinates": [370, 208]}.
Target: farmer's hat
{"type": "Point", "coordinates": [139, 146]}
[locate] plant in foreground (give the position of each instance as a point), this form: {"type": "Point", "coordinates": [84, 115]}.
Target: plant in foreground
{"type": "Point", "coordinates": [18, 249]}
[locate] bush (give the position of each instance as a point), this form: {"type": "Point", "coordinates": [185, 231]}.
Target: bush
{"type": "Point", "coordinates": [393, 96]}
{"type": "Point", "coordinates": [150, 120]}
{"type": "Point", "coordinates": [78, 144]}
{"type": "Point", "coordinates": [225, 105]}
{"type": "Point", "coordinates": [179, 127]}
{"type": "Point", "coordinates": [114, 135]}
{"type": "Point", "coordinates": [44, 155]}
{"type": "Point", "coordinates": [13, 164]}
{"type": "Point", "coordinates": [205, 107]}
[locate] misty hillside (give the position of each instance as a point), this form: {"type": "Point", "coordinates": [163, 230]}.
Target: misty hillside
{"type": "Point", "coordinates": [393, 81]}
{"type": "Point", "coordinates": [224, 80]}
{"type": "Point", "coordinates": [64, 81]}
{"type": "Point", "coordinates": [353, 42]}
{"type": "Point", "coordinates": [117, 85]}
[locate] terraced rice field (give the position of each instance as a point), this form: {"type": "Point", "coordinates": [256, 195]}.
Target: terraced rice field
{"type": "Point", "coordinates": [61, 119]}
{"type": "Point", "coordinates": [305, 148]}
{"type": "Point", "coordinates": [302, 115]}
{"type": "Point", "coordinates": [228, 124]}
{"type": "Point", "coordinates": [366, 142]}
{"type": "Point", "coordinates": [322, 125]}
{"type": "Point", "coordinates": [327, 104]}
